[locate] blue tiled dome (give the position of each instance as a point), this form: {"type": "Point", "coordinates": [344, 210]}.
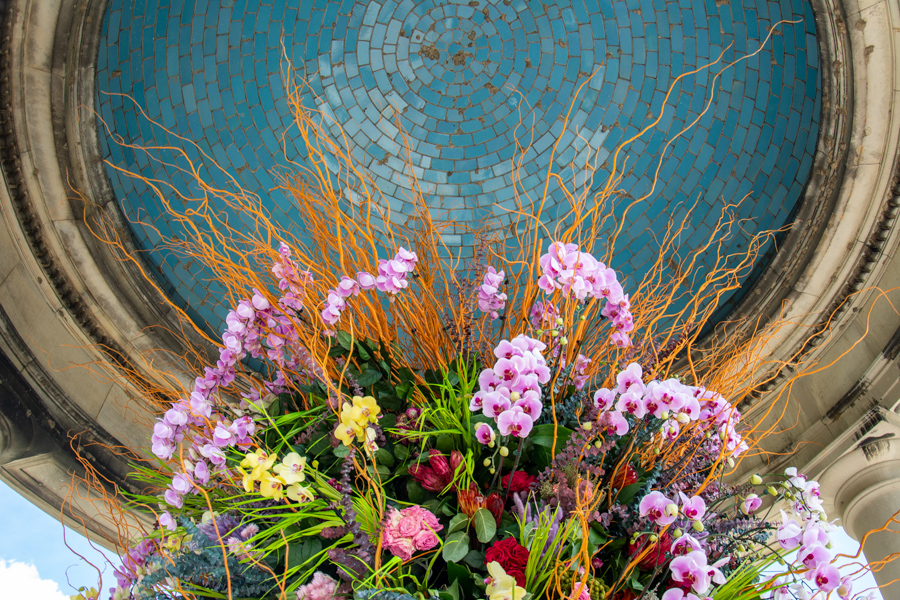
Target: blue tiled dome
{"type": "Point", "coordinates": [464, 77]}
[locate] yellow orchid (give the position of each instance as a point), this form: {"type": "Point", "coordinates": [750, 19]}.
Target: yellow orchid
{"type": "Point", "coordinates": [300, 493]}
{"type": "Point", "coordinates": [272, 486]}
{"type": "Point", "coordinates": [502, 586]}
{"type": "Point", "coordinates": [259, 461]}
{"type": "Point", "coordinates": [352, 413]}
{"type": "Point", "coordinates": [291, 468]}
{"type": "Point", "coordinates": [368, 407]}
{"type": "Point", "coordinates": [345, 434]}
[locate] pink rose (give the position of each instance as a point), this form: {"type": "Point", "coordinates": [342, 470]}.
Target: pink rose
{"type": "Point", "coordinates": [409, 526]}
{"type": "Point", "coordinates": [426, 540]}
{"type": "Point", "coordinates": [402, 548]}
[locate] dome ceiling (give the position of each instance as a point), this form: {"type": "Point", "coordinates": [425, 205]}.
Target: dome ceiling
{"type": "Point", "coordinates": [466, 79]}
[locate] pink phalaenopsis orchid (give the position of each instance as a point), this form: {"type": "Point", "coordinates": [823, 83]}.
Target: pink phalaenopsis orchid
{"type": "Point", "coordinates": [750, 504]}
{"type": "Point", "coordinates": [692, 508]}
{"type": "Point", "coordinates": [692, 571]}
{"type": "Point", "coordinates": [658, 508]}
{"type": "Point", "coordinates": [515, 422]}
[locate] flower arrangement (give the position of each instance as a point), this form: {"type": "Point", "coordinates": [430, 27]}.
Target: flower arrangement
{"type": "Point", "coordinates": [384, 422]}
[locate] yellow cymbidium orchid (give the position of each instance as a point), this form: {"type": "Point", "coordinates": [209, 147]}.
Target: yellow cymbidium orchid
{"type": "Point", "coordinates": [502, 586]}
{"type": "Point", "coordinates": [272, 486]}
{"type": "Point", "coordinates": [291, 468]}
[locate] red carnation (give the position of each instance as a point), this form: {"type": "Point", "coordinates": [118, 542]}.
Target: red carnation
{"type": "Point", "coordinates": [511, 555]}
{"type": "Point", "coordinates": [657, 552]}
{"type": "Point", "coordinates": [521, 481]}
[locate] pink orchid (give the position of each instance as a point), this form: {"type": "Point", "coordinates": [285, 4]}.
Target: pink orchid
{"type": "Point", "coordinates": [347, 287]}
{"type": "Point", "coordinates": [692, 508]}
{"type": "Point", "coordinates": [632, 403]}
{"type": "Point", "coordinates": [515, 422]}
{"type": "Point", "coordinates": [685, 544]}
{"type": "Point", "coordinates": [826, 577]}
{"type": "Point", "coordinates": [656, 507]}
{"type": "Point", "coordinates": [495, 403]}
{"type": "Point", "coordinates": [678, 594]}
{"type": "Point", "coordinates": [614, 423]}
{"type": "Point", "coordinates": [485, 434]}
{"type": "Point", "coordinates": [751, 503]}
{"type": "Point", "coordinates": [604, 399]}
{"type": "Point", "coordinates": [813, 555]}
{"type": "Point", "coordinates": [789, 533]}
{"type": "Point", "coordinates": [530, 407]}
{"type": "Point", "coordinates": [692, 570]}
{"type": "Point", "coordinates": [631, 375]}
{"type": "Point", "coordinates": [366, 281]}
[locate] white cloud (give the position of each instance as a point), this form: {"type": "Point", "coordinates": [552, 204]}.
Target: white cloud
{"type": "Point", "coordinates": [21, 580]}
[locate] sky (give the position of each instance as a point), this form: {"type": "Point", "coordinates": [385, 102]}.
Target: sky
{"type": "Point", "coordinates": [35, 563]}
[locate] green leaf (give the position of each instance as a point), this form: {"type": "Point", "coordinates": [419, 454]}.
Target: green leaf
{"type": "Point", "coordinates": [475, 559]}
{"type": "Point", "coordinates": [444, 443]}
{"type": "Point", "coordinates": [414, 491]}
{"type": "Point", "coordinates": [460, 522]}
{"type": "Point", "coordinates": [383, 457]}
{"type": "Point", "coordinates": [345, 340]}
{"type": "Point", "coordinates": [342, 451]}
{"type": "Point", "coordinates": [485, 525]}
{"type": "Point", "coordinates": [627, 494]}
{"type": "Point", "coordinates": [300, 553]}
{"type": "Point", "coordinates": [542, 435]}
{"type": "Point", "coordinates": [456, 547]}
{"type": "Point", "coordinates": [369, 377]}
{"type": "Point", "coordinates": [401, 452]}
{"type": "Point", "coordinates": [461, 575]}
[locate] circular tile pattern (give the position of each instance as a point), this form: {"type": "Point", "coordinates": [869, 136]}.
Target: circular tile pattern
{"type": "Point", "coordinates": [466, 80]}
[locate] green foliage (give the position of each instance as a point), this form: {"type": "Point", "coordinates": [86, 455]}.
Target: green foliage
{"type": "Point", "coordinates": [485, 525]}
{"type": "Point", "coordinates": [455, 547]}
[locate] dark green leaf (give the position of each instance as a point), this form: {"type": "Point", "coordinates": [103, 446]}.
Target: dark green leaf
{"type": "Point", "coordinates": [485, 525]}
{"type": "Point", "coordinates": [628, 493]}
{"type": "Point", "coordinates": [444, 443]}
{"type": "Point", "coordinates": [401, 452]}
{"type": "Point", "coordinates": [460, 522]}
{"type": "Point", "coordinates": [383, 457]}
{"type": "Point", "coordinates": [342, 451]}
{"type": "Point", "coordinates": [345, 340]}
{"type": "Point", "coordinates": [461, 575]}
{"type": "Point", "coordinates": [368, 378]}
{"type": "Point", "coordinates": [300, 553]}
{"type": "Point", "coordinates": [475, 559]}
{"type": "Point", "coordinates": [414, 491]}
{"type": "Point", "coordinates": [456, 547]}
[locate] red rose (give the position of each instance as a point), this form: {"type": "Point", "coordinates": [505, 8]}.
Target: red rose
{"type": "Point", "coordinates": [521, 481]}
{"type": "Point", "coordinates": [657, 552]}
{"type": "Point", "coordinates": [512, 556]}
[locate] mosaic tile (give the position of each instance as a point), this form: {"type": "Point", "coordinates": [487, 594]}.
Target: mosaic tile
{"type": "Point", "coordinates": [452, 72]}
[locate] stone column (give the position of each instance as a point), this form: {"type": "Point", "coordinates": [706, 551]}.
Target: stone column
{"type": "Point", "coordinates": [861, 487]}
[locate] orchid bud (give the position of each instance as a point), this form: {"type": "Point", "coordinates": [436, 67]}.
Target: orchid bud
{"type": "Point", "coordinates": [664, 415]}
{"type": "Point", "coordinates": [513, 396]}
{"type": "Point", "coordinates": [582, 318]}
{"type": "Point", "coordinates": [677, 533]}
{"type": "Point", "coordinates": [492, 471]}
{"type": "Point", "coordinates": [755, 479]}
{"type": "Point", "coordinates": [563, 340]}
{"type": "Point", "coordinates": [697, 526]}
{"type": "Point", "coordinates": [653, 538]}
{"type": "Point", "coordinates": [683, 418]}
{"type": "Point", "coordinates": [559, 321]}
{"type": "Point", "coordinates": [598, 444]}
{"type": "Point", "coordinates": [771, 491]}
{"type": "Point", "coordinates": [730, 462]}
{"type": "Point", "coordinates": [491, 444]}
{"type": "Point", "coordinates": [504, 451]}
{"type": "Point", "coordinates": [587, 425]}
{"type": "Point", "coordinates": [672, 510]}
{"type": "Point", "coordinates": [487, 462]}
{"type": "Point", "coordinates": [315, 464]}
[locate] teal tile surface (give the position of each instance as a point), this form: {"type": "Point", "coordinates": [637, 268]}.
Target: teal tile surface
{"type": "Point", "coordinates": [455, 73]}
